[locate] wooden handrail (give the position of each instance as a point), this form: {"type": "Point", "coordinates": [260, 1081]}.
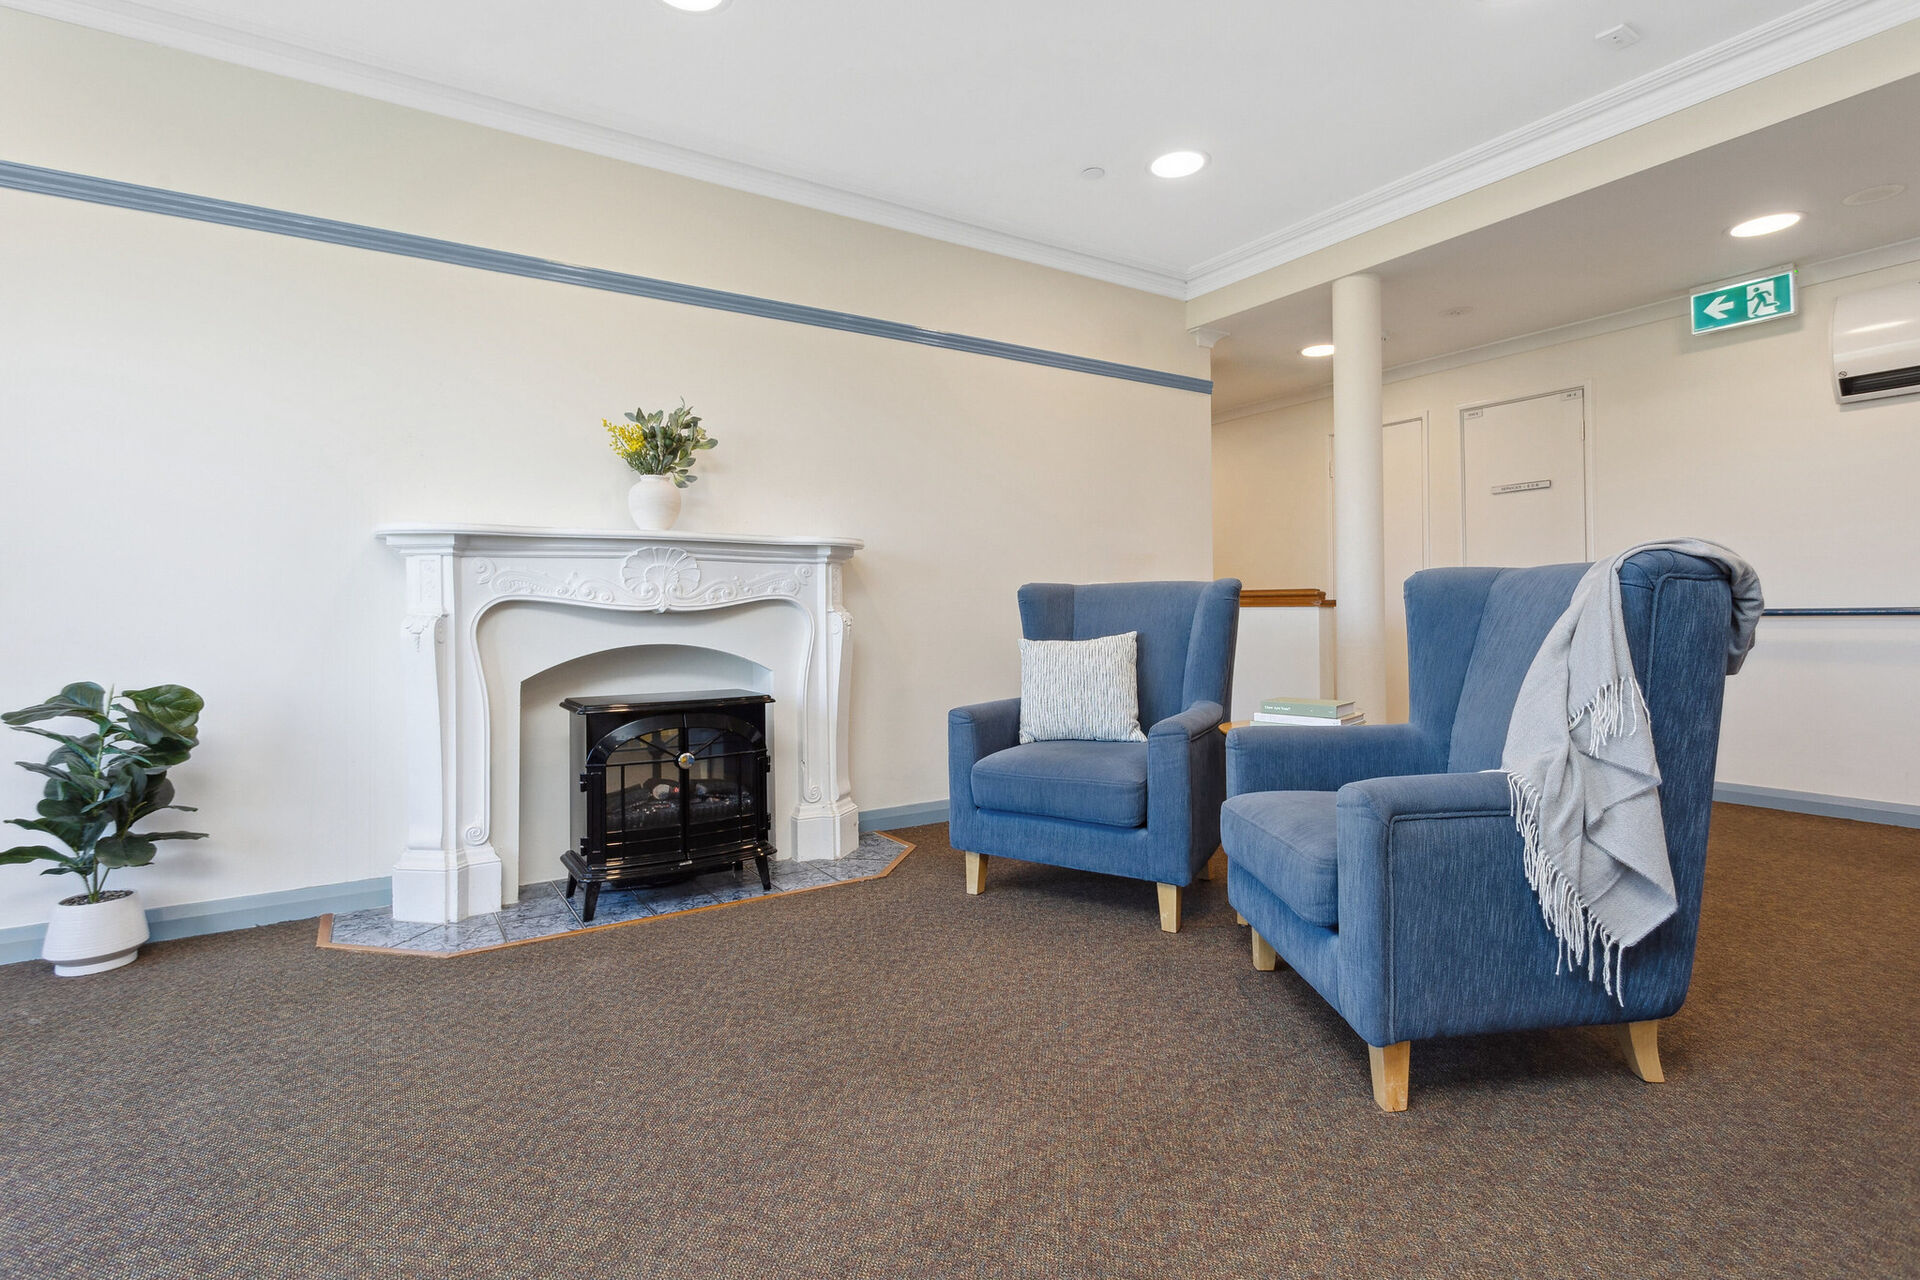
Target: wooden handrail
{"type": "Point", "coordinates": [1284, 598]}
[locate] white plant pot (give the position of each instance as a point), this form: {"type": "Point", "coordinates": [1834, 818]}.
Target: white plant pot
{"type": "Point", "coordinates": [654, 502]}
{"type": "Point", "coordinates": [92, 937]}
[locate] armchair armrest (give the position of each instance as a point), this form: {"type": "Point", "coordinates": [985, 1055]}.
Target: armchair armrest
{"type": "Point", "coordinates": [1201, 717]}
{"type": "Point", "coordinates": [1445, 934]}
{"type": "Point", "coordinates": [1288, 758]}
{"type": "Point", "coordinates": [1186, 785]}
{"type": "Point", "coordinates": [973, 734]}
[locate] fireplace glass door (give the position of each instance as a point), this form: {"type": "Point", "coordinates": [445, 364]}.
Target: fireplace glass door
{"type": "Point", "coordinates": [682, 784]}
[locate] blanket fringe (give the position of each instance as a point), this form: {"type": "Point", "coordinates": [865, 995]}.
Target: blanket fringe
{"type": "Point", "coordinates": [1615, 709]}
{"type": "Point", "coordinates": [1579, 935]}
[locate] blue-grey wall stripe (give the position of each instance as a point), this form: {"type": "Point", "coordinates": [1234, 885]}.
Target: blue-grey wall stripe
{"type": "Point", "coordinates": [127, 195]}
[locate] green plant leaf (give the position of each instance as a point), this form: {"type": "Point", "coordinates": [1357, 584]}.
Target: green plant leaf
{"type": "Point", "coordinates": [82, 700]}
{"type": "Point", "coordinates": [124, 851]}
{"type": "Point", "coordinates": [173, 707]}
{"type": "Point", "coordinates": [173, 835]}
{"type": "Point", "coordinates": [37, 853]}
{"type": "Point", "coordinates": [88, 743]}
{"type": "Point", "coordinates": [86, 784]}
{"type": "Point", "coordinates": [75, 832]}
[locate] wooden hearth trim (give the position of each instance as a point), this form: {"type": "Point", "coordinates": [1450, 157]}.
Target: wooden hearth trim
{"type": "Point", "coordinates": [326, 922]}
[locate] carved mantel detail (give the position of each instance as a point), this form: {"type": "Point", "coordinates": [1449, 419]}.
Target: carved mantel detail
{"type": "Point", "coordinates": [457, 573]}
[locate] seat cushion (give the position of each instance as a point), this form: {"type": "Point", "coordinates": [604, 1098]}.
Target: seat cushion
{"type": "Point", "coordinates": [1287, 841]}
{"type": "Point", "coordinates": [1099, 782]}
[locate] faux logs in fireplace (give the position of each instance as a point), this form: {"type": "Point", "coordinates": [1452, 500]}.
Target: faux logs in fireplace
{"type": "Point", "coordinates": [670, 785]}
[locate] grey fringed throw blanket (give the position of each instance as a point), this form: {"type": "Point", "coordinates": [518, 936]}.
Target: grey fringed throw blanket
{"type": "Point", "coordinates": [1586, 796]}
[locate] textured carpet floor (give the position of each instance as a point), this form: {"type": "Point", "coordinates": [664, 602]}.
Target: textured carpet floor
{"type": "Point", "coordinates": [899, 1081]}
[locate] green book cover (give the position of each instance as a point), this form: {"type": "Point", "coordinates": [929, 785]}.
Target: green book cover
{"type": "Point", "coordinates": [1327, 708]}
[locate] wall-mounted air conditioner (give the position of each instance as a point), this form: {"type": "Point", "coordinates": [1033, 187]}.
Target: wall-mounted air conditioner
{"type": "Point", "coordinates": [1876, 343]}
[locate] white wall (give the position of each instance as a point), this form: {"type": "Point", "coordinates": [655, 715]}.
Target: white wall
{"type": "Point", "coordinates": [1734, 437]}
{"type": "Point", "coordinates": [200, 426]}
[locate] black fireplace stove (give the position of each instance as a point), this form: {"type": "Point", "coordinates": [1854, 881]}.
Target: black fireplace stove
{"type": "Point", "coordinates": [670, 785]}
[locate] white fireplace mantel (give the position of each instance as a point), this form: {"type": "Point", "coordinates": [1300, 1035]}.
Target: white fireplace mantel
{"type": "Point", "coordinates": [457, 573]}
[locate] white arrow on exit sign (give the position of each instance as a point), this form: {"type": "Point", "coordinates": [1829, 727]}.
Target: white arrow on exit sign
{"type": "Point", "coordinates": [1719, 307]}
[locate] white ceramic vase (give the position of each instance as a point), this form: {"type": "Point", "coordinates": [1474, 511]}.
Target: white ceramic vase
{"type": "Point", "coordinates": [92, 937]}
{"type": "Point", "coordinates": [654, 502]}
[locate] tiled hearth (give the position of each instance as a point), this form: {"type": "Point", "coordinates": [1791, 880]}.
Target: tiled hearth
{"type": "Point", "coordinates": [543, 913]}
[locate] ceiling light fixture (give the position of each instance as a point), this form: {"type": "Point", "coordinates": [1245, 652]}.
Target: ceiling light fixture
{"type": "Point", "coordinates": [1764, 225]}
{"type": "Point", "coordinates": [1178, 164]}
{"type": "Point", "coordinates": [696, 6]}
{"type": "Point", "coordinates": [1318, 351]}
{"type": "Point", "coordinates": [1874, 195]}
{"type": "Point", "coordinates": [1093, 173]}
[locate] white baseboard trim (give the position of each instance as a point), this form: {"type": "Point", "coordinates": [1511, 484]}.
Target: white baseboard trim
{"type": "Point", "coordinates": [903, 815]}
{"type": "Point", "coordinates": [189, 919]}
{"type": "Point", "coordinates": [1886, 812]}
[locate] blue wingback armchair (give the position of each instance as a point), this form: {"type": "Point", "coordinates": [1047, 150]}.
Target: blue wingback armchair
{"type": "Point", "coordinates": [1382, 863]}
{"type": "Point", "coordinates": [1149, 810]}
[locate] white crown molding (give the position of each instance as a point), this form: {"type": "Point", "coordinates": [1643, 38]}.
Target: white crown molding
{"type": "Point", "coordinates": [1787, 41]}
{"type": "Point", "coordinates": [261, 52]}
{"type": "Point", "coordinates": [1808, 32]}
{"type": "Point", "coordinates": [1826, 271]}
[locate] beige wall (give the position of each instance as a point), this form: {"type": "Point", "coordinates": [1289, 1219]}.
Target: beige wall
{"type": "Point", "coordinates": [201, 426]}
{"type": "Point", "coordinates": [1735, 438]}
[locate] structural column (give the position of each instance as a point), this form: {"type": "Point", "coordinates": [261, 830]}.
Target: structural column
{"type": "Point", "coordinates": [1359, 550]}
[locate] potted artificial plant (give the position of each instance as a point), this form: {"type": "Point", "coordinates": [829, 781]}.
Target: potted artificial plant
{"type": "Point", "coordinates": [100, 782]}
{"type": "Point", "coordinates": [660, 446]}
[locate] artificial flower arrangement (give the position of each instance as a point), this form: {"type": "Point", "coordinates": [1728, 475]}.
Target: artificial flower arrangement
{"type": "Point", "coordinates": [660, 443]}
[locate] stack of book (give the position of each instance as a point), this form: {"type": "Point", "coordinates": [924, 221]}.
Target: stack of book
{"type": "Point", "coordinates": [1312, 712]}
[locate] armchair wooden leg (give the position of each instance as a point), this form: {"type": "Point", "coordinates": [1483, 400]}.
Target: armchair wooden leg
{"type": "Point", "coordinates": [1641, 1043]}
{"type": "Point", "coordinates": [1265, 958]}
{"type": "Point", "coordinates": [976, 872]}
{"type": "Point", "coordinates": [1217, 865]}
{"type": "Point", "coordinates": [1390, 1074]}
{"type": "Point", "coordinates": [1238, 918]}
{"type": "Point", "coordinates": [1169, 907]}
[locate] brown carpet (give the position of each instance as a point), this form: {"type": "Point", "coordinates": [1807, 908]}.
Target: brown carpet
{"type": "Point", "coordinates": [899, 1081]}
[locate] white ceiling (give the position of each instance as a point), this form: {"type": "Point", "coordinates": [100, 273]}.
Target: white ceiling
{"type": "Point", "coordinates": [973, 121]}
{"type": "Point", "coordinates": [1629, 244]}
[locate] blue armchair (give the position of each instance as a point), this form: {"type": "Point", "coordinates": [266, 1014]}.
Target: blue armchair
{"type": "Point", "coordinates": [1382, 863]}
{"type": "Point", "coordinates": [1149, 810]}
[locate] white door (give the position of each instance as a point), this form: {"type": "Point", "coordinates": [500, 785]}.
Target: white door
{"type": "Point", "coordinates": [1403, 485]}
{"type": "Point", "coordinates": [1523, 481]}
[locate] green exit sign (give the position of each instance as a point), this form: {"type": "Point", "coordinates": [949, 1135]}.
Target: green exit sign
{"type": "Point", "coordinates": [1749, 302]}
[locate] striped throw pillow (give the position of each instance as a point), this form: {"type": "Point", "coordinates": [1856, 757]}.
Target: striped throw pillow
{"type": "Point", "coordinates": [1083, 689]}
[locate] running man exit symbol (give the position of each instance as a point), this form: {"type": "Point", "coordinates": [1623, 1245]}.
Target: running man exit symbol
{"type": "Point", "coordinates": [1749, 301]}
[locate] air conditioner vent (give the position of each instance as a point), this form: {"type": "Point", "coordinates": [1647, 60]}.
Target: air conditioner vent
{"type": "Point", "coordinates": [1890, 380]}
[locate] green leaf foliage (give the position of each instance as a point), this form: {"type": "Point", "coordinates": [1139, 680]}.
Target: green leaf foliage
{"type": "Point", "coordinates": [86, 701]}
{"type": "Point", "coordinates": [100, 783]}
{"type": "Point", "coordinates": [124, 851]}
{"type": "Point", "coordinates": [661, 443]}
{"type": "Point", "coordinates": [34, 853]}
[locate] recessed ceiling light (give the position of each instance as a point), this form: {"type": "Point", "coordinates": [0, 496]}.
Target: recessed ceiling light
{"type": "Point", "coordinates": [1764, 225]}
{"type": "Point", "coordinates": [1874, 195]}
{"type": "Point", "coordinates": [1093, 173]}
{"type": "Point", "coordinates": [696, 6]}
{"type": "Point", "coordinates": [1318, 351]}
{"type": "Point", "coordinates": [1179, 164]}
